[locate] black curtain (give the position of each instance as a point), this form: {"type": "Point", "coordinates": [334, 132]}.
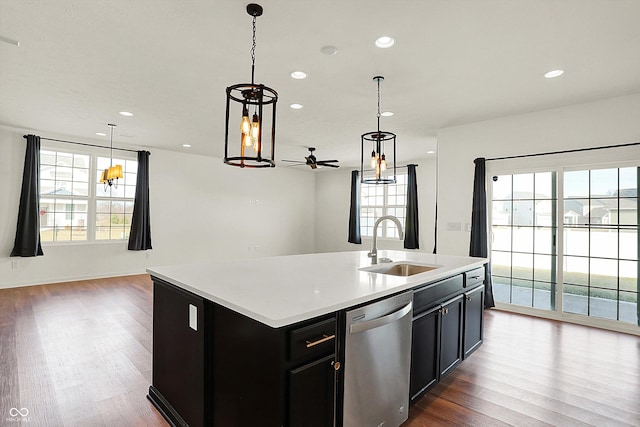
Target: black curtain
{"type": "Point", "coordinates": [411, 234]}
{"type": "Point", "coordinates": [27, 242]}
{"type": "Point", "coordinates": [479, 237]}
{"type": "Point", "coordinates": [354, 211]}
{"type": "Point", "coordinates": [140, 236]}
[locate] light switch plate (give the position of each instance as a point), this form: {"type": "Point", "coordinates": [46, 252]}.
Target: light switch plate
{"type": "Point", "coordinates": [193, 317]}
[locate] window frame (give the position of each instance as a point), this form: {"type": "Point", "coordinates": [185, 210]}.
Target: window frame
{"type": "Point", "coordinates": [92, 197]}
{"type": "Point", "coordinates": [387, 230]}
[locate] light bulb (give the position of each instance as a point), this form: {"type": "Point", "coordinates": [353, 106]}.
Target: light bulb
{"type": "Point", "coordinates": [374, 159]}
{"type": "Point", "coordinates": [255, 127]}
{"type": "Point", "coordinates": [246, 140]}
{"type": "Point", "coordinates": [383, 163]}
{"type": "Point", "coordinates": [245, 124]}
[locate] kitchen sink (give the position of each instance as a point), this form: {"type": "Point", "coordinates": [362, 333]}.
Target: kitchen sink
{"type": "Point", "coordinates": [400, 269]}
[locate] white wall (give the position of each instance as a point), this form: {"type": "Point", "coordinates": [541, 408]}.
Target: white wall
{"type": "Point", "coordinates": [599, 123]}
{"type": "Point", "coordinates": [332, 210]}
{"type": "Point", "coordinates": [201, 210]}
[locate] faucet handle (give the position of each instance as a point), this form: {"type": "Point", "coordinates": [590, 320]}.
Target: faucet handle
{"type": "Point", "coordinates": [384, 260]}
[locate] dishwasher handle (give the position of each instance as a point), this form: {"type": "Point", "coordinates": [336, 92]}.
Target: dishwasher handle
{"type": "Point", "coordinates": [380, 321]}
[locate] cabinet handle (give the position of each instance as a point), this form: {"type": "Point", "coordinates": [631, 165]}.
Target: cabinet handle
{"type": "Point", "coordinates": [324, 338]}
{"type": "Point", "coordinates": [336, 365]}
{"type": "Point", "coordinates": [468, 298]}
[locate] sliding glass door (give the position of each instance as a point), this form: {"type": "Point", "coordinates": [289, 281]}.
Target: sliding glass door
{"type": "Point", "coordinates": [593, 269]}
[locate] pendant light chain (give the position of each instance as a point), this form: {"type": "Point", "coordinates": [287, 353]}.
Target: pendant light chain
{"type": "Point", "coordinates": [111, 154]}
{"type": "Point", "coordinates": [253, 49]}
{"type": "Point", "coordinates": [378, 105]}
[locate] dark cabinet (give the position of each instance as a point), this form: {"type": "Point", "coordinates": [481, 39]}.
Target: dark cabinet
{"type": "Point", "coordinates": [451, 334]}
{"type": "Point", "coordinates": [425, 346]}
{"type": "Point", "coordinates": [447, 326]}
{"type": "Point", "coordinates": [312, 394]}
{"type": "Point", "coordinates": [473, 320]}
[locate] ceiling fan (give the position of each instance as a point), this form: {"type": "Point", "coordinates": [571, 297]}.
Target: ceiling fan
{"type": "Point", "coordinates": [312, 162]}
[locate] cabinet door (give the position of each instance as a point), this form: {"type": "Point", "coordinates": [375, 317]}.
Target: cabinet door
{"type": "Point", "coordinates": [312, 394]}
{"type": "Point", "coordinates": [179, 352]}
{"type": "Point", "coordinates": [473, 319]}
{"type": "Point", "coordinates": [451, 334]}
{"type": "Point", "coordinates": [424, 351]}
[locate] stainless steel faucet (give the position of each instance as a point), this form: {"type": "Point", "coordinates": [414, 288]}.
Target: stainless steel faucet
{"type": "Point", "coordinates": [374, 250]}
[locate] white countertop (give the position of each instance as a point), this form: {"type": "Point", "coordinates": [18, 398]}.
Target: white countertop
{"type": "Point", "coordinates": [280, 291]}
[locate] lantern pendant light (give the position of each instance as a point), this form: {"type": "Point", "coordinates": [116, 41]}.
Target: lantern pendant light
{"type": "Point", "coordinates": [110, 176]}
{"type": "Point", "coordinates": [256, 107]}
{"type": "Point", "coordinates": [379, 159]}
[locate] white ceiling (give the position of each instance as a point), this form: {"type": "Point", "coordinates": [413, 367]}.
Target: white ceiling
{"type": "Point", "coordinates": [80, 62]}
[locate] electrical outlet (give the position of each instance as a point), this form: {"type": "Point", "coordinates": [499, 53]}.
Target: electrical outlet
{"type": "Point", "coordinates": [454, 226]}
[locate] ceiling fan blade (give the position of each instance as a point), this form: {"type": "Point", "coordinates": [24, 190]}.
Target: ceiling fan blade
{"type": "Point", "coordinates": [328, 165]}
{"type": "Point", "coordinates": [327, 161]}
{"type": "Point", "coordinates": [294, 161]}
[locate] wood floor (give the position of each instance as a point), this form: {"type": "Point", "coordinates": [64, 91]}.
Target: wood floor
{"type": "Point", "coordinates": [79, 354]}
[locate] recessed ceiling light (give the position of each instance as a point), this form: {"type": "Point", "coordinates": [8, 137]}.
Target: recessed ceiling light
{"type": "Point", "coordinates": [296, 106]}
{"type": "Point", "coordinates": [329, 50]}
{"type": "Point", "coordinates": [126, 113]}
{"type": "Point", "coordinates": [430, 152]}
{"type": "Point", "coordinates": [101, 134]}
{"type": "Point", "coordinates": [186, 145]}
{"type": "Point", "coordinates": [387, 114]}
{"type": "Point", "coordinates": [299, 75]}
{"type": "Point", "coordinates": [553, 73]}
{"type": "Point", "coordinates": [385, 42]}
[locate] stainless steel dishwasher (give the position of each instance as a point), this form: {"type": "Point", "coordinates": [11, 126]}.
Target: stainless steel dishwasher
{"type": "Point", "coordinates": [377, 363]}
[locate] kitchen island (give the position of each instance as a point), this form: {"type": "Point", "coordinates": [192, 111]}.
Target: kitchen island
{"type": "Point", "coordinates": [261, 341]}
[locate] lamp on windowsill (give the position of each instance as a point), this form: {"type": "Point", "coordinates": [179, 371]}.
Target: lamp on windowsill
{"type": "Point", "coordinates": [111, 175]}
{"type": "Point", "coordinates": [257, 103]}
{"type": "Point", "coordinates": [379, 159]}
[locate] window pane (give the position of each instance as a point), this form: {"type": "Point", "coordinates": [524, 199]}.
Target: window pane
{"type": "Point", "coordinates": [501, 238]}
{"type": "Point", "coordinates": [81, 161]}
{"type": "Point", "coordinates": [603, 303]}
{"type": "Point", "coordinates": [501, 187]}
{"type": "Point", "coordinates": [628, 182]}
{"type": "Point", "coordinates": [523, 239]}
{"type": "Point", "coordinates": [501, 263]}
{"type": "Point", "coordinates": [47, 157]}
{"type": "Point", "coordinates": [523, 186]}
{"type": "Point", "coordinates": [502, 289]}
{"type": "Point", "coordinates": [576, 184]}
{"type": "Point", "coordinates": [544, 185]}
{"type": "Point", "coordinates": [628, 243]}
{"type": "Point", "coordinates": [604, 273]}
{"type": "Point", "coordinates": [544, 212]}
{"type": "Point", "coordinates": [46, 234]}
{"type": "Point", "coordinates": [576, 241]}
{"type": "Point", "coordinates": [543, 240]}
{"type": "Point", "coordinates": [628, 307]}
{"type": "Point", "coordinates": [575, 299]}
{"type": "Point", "coordinates": [523, 212]}
{"type": "Point", "coordinates": [600, 211]}
{"type": "Point", "coordinates": [604, 243]}
{"type": "Point", "coordinates": [522, 267]}
{"type": "Point", "coordinates": [64, 159]}
{"type": "Point", "coordinates": [103, 233]}
{"type": "Point", "coordinates": [501, 212]}
{"type": "Point", "coordinates": [47, 186]}
{"type": "Point", "coordinates": [576, 270]}
{"type": "Point", "coordinates": [522, 292]}
{"type": "Point", "coordinates": [576, 211]}
{"type": "Point", "coordinates": [627, 213]}
{"type": "Point", "coordinates": [604, 182]}
{"type": "Point", "coordinates": [542, 296]}
{"type": "Point", "coordinates": [628, 271]}
{"type": "Point", "coordinates": [544, 267]}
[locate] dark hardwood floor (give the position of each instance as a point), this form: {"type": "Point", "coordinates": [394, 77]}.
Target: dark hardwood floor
{"type": "Point", "coordinates": [79, 354]}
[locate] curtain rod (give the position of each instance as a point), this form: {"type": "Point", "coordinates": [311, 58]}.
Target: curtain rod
{"type": "Point", "coordinates": [564, 151]}
{"type": "Point", "coordinates": [85, 144]}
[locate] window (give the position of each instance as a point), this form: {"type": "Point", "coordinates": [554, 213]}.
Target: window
{"type": "Point", "coordinates": [600, 256]}
{"type": "Point", "coordinates": [74, 205]}
{"type": "Point", "coordinates": [593, 270]}
{"type": "Point", "coordinates": [523, 231]}
{"type": "Point", "coordinates": [380, 200]}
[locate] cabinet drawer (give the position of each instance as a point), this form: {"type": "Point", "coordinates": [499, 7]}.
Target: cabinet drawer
{"type": "Point", "coordinates": [424, 298]}
{"type": "Point", "coordinates": [313, 340]}
{"type": "Point", "coordinates": [473, 277]}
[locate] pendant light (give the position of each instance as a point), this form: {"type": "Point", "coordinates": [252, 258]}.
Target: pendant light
{"type": "Point", "coordinates": [111, 175]}
{"type": "Point", "coordinates": [382, 159]}
{"type": "Point", "coordinates": [256, 107]}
